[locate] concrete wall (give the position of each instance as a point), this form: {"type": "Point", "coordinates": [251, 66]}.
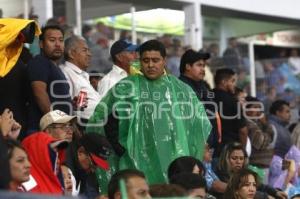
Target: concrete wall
{"type": "Point", "coordinates": [279, 8]}
{"type": "Point", "coordinates": [43, 8]}
{"type": "Point", "coordinates": [12, 8]}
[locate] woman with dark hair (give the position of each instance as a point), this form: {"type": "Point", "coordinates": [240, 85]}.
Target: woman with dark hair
{"type": "Point", "coordinates": [185, 164]}
{"type": "Point", "coordinates": [242, 185]}
{"type": "Point", "coordinates": [19, 165]}
{"type": "Point", "coordinates": [234, 158]}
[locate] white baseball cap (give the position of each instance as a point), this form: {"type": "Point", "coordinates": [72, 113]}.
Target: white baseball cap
{"type": "Point", "coordinates": [55, 116]}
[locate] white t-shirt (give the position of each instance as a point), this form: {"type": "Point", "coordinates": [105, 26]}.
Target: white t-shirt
{"type": "Point", "coordinates": [110, 79]}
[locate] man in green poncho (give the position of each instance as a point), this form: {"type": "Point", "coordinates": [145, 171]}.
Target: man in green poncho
{"type": "Point", "coordinates": [151, 119]}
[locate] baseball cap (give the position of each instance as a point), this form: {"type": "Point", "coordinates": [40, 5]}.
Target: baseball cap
{"type": "Point", "coordinates": [55, 116]}
{"type": "Point", "coordinates": [98, 147]}
{"type": "Point", "coordinates": [120, 46]}
{"type": "Point", "coordinates": [190, 56]}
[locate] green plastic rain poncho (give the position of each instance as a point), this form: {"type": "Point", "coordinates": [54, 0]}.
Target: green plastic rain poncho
{"type": "Point", "coordinates": [159, 120]}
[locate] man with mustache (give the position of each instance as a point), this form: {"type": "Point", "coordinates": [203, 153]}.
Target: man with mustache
{"type": "Point", "coordinates": [152, 118]}
{"type": "Point", "coordinates": [50, 89]}
{"type": "Point", "coordinates": [192, 72]}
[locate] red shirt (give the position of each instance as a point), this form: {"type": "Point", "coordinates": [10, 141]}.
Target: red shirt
{"type": "Point", "coordinates": [38, 150]}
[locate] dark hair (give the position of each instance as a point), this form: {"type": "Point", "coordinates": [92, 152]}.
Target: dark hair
{"type": "Point", "coordinates": [166, 191]}
{"type": "Point", "coordinates": [295, 196]}
{"type": "Point", "coordinates": [223, 164]}
{"type": "Point", "coordinates": [126, 174]}
{"type": "Point", "coordinates": [223, 74]}
{"type": "Point", "coordinates": [11, 145]}
{"type": "Point", "coordinates": [190, 57]}
{"type": "Point", "coordinates": [184, 164]}
{"type": "Point", "coordinates": [238, 90]}
{"type": "Point", "coordinates": [237, 181]}
{"type": "Point", "coordinates": [4, 166]}
{"type": "Point", "coordinates": [251, 99]}
{"type": "Point", "coordinates": [50, 27]}
{"type": "Point", "coordinates": [52, 21]}
{"type": "Point", "coordinates": [86, 28]}
{"type": "Point", "coordinates": [189, 181]}
{"type": "Point", "coordinates": [277, 106]}
{"type": "Point", "coordinates": [153, 45]}
{"type": "Point", "coordinates": [231, 39]}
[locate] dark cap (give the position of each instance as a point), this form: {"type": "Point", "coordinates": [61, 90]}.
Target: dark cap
{"type": "Point", "coordinates": [120, 46]}
{"type": "Point", "coordinates": [190, 56]}
{"type": "Point", "coordinates": [98, 147]}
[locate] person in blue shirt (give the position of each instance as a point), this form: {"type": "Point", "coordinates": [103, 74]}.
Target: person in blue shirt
{"type": "Point", "coordinates": [50, 89]}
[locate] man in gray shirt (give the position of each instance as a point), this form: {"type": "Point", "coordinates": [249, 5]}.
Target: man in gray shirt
{"type": "Point", "coordinates": [279, 119]}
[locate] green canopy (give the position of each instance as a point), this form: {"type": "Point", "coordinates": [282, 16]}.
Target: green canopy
{"type": "Point", "coordinates": [162, 21]}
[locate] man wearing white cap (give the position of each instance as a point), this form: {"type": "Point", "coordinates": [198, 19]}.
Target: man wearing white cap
{"type": "Point", "coordinates": [58, 124]}
{"type": "Point", "coordinates": [46, 152]}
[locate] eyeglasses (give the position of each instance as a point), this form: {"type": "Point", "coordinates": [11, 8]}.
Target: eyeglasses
{"type": "Point", "coordinates": [63, 127]}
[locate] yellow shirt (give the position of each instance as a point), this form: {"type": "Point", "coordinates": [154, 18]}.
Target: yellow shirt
{"type": "Point", "coordinates": [10, 48]}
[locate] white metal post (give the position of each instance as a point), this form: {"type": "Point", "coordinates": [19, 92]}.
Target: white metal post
{"type": "Point", "coordinates": [133, 26]}
{"type": "Point", "coordinates": [198, 26]}
{"type": "Point", "coordinates": [193, 36]}
{"type": "Point", "coordinates": [78, 17]}
{"type": "Point", "coordinates": [26, 9]}
{"type": "Point", "coordinates": [252, 69]}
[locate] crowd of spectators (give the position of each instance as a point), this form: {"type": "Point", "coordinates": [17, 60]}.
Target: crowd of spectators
{"type": "Point", "coordinates": [161, 130]}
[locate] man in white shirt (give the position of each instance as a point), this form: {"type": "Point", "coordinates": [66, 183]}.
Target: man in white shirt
{"type": "Point", "coordinates": [78, 56]}
{"type": "Point", "coordinates": [122, 54]}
